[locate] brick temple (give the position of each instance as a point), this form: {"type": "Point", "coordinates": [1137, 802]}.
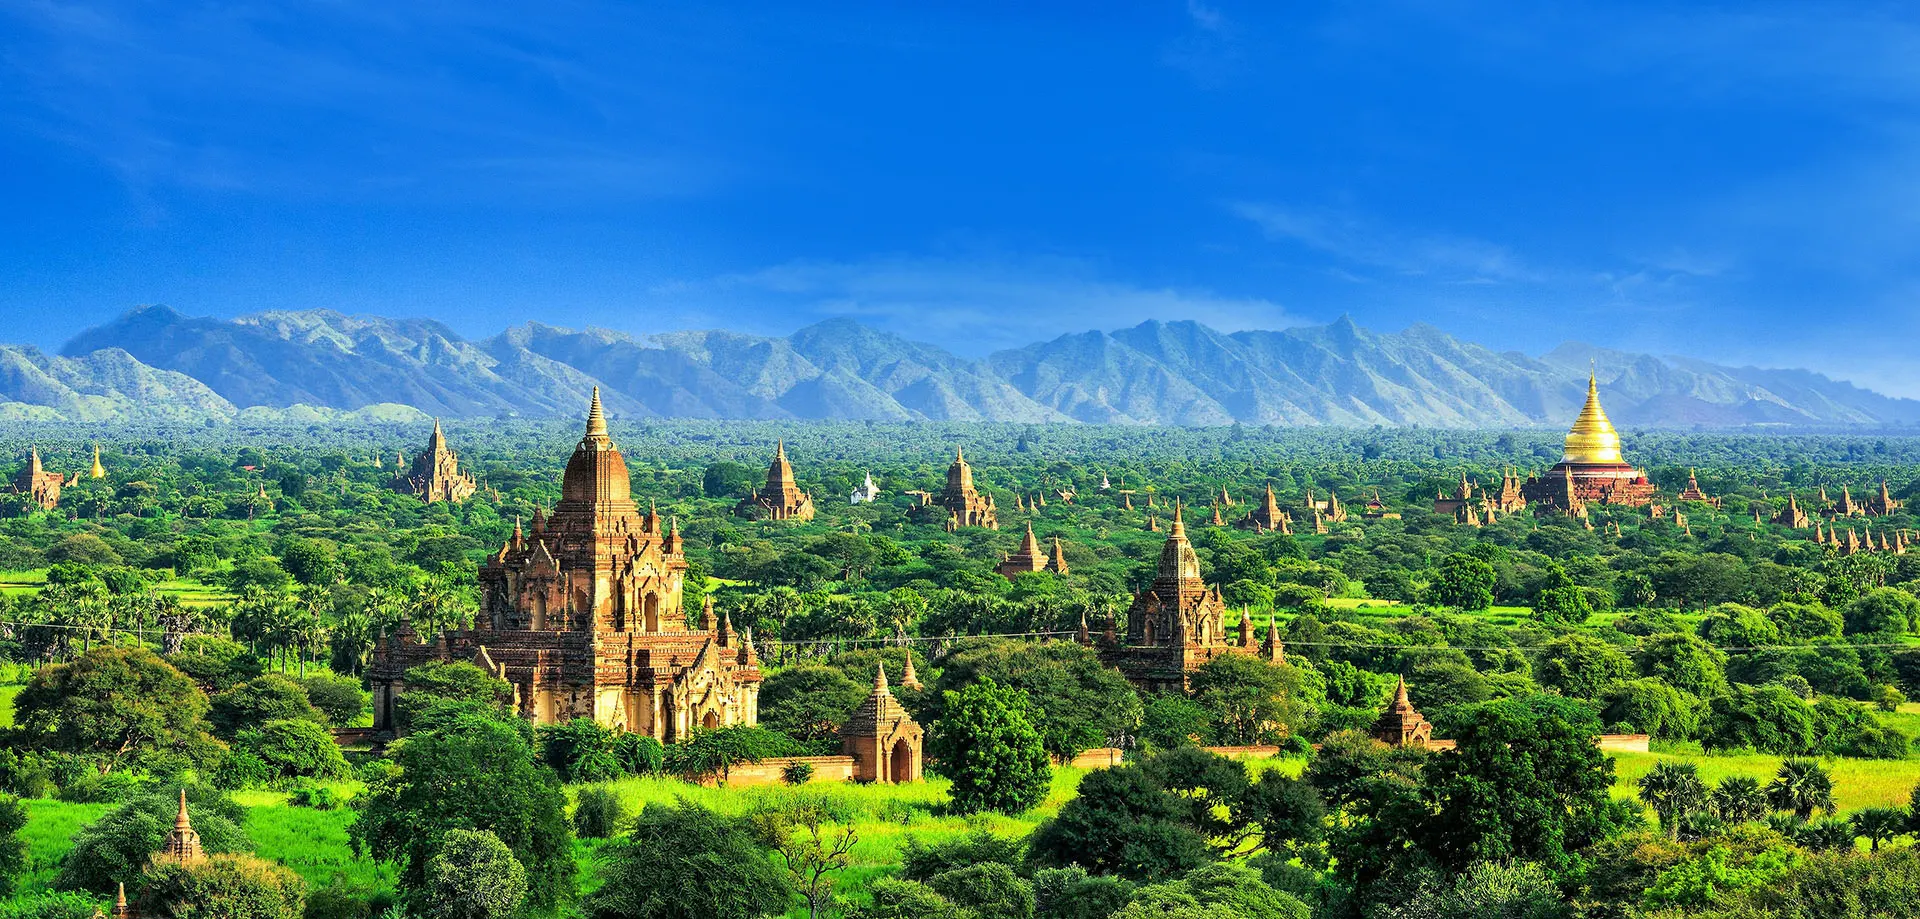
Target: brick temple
{"type": "Point", "coordinates": [38, 485]}
{"type": "Point", "coordinates": [1031, 558]}
{"type": "Point", "coordinates": [959, 504]}
{"type": "Point", "coordinates": [582, 615]}
{"type": "Point", "coordinates": [781, 498]}
{"type": "Point", "coordinates": [435, 475]}
{"type": "Point", "coordinates": [1179, 623]}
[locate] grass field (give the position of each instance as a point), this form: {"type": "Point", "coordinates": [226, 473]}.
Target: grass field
{"type": "Point", "coordinates": [188, 591]}
{"type": "Point", "coordinates": [314, 843]}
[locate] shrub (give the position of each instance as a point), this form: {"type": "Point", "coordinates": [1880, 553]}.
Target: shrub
{"type": "Point", "coordinates": [598, 813]}
{"type": "Point", "coordinates": [988, 888]}
{"type": "Point", "coordinates": [57, 904]}
{"type": "Point", "coordinates": [797, 773]}
{"type": "Point", "coordinates": [684, 860]}
{"type": "Point", "coordinates": [921, 862]}
{"type": "Point", "coordinates": [317, 798]}
{"type": "Point", "coordinates": [13, 849]}
{"type": "Point", "coordinates": [639, 754]}
{"type": "Point", "coordinates": [114, 847]}
{"type": "Point", "coordinates": [294, 749]}
{"type": "Point", "coordinates": [241, 769]}
{"type": "Point", "coordinates": [581, 750]}
{"type": "Point", "coordinates": [473, 876]}
{"type": "Point", "coordinates": [985, 742]}
{"type": "Point", "coordinates": [226, 886]}
{"type": "Point", "coordinates": [101, 788]}
{"type": "Point", "coordinates": [339, 698]}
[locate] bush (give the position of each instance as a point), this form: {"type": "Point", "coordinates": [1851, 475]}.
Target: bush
{"type": "Point", "coordinates": [598, 813]}
{"type": "Point", "coordinates": [241, 769]}
{"type": "Point", "coordinates": [317, 798]}
{"type": "Point", "coordinates": [114, 847]}
{"type": "Point", "coordinates": [101, 788]}
{"type": "Point", "coordinates": [921, 862]}
{"type": "Point", "coordinates": [581, 750]}
{"type": "Point", "coordinates": [473, 876]}
{"type": "Point", "coordinates": [988, 888]}
{"type": "Point", "coordinates": [703, 863]}
{"type": "Point", "coordinates": [293, 749]}
{"type": "Point", "coordinates": [13, 849]}
{"type": "Point", "coordinates": [223, 887]}
{"type": "Point", "coordinates": [797, 773]}
{"type": "Point", "coordinates": [54, 905]}
{"type": "Point", "coordinates": [639, 754]}
{"type": "Point", "coordinates": [339, 698]}
{"type": "Point", "coordinates": [986, 744]}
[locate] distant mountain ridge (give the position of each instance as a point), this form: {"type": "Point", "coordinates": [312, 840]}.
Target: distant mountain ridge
{"type": "Point", "coordinates": [155, 362]}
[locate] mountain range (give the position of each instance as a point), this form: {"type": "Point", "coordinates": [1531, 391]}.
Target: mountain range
{"type": "Point", "coordinates": [154, 362]}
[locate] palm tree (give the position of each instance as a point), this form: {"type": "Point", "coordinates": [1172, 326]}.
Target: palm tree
{"type": "Point", "coordinates": [1879, 824]}
{"type": "Point", "coordinates": [1801, 786]}
{"type": "Point", "coordinates": [1740, 799]}
{"type": "Point", "coordinates": [1674, 790]}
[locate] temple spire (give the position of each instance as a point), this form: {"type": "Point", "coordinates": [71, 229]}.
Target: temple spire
{"type": "Point", "coordinates": [596, 418]}
{"type": "Point", "coordinates": [880, 677]}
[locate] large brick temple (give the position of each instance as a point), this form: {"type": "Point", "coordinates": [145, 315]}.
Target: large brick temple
{"type": "Point", "coordinates": [1179, 623]}
{"type": "Point", "coordinates": [1591, 469]}
{"type": "Point", "coordinates": [582, 615]}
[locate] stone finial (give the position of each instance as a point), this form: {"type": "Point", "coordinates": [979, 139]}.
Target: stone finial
{"type": "Point", "coordinates": [880, 677]}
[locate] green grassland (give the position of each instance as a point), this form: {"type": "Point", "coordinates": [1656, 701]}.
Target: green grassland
{"type": "Point", "coordinates": [314, 843]}
{"type": "Point", "coordinates": [188, 591]}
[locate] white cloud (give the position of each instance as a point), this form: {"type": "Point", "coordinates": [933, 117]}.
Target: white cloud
{"type": "Point", "coordinates": [1447, 259]}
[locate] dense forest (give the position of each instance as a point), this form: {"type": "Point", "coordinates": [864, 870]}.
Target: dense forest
{"type": "Point", "coordinates": [201, 614]}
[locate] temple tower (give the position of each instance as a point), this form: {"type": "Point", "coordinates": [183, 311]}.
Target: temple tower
{"type": "Point", "coordinates": [781, 498]}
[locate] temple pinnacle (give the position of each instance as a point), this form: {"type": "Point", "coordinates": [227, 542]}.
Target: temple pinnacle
{"type": "Point", "coordinates": [596, 419]}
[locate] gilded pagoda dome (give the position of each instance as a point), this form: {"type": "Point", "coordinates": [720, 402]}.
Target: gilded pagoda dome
{"type": "Point", "coordinates": [1593, 441]}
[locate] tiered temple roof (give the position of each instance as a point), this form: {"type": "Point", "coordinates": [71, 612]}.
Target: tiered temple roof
{"type": "Point", "coordinates": [1176, 624]}
{"type": "Point", "coordinates": [1693, 493]}
{"type": "Point", "coordinates": [1267, 517]}
{"type": "Point", "coordinates": [435, 474]}
{"type": "Point", "coordinates": [1882, 504]}
{"type": "Point", "coordinates": [1031, 558]}
{"type": "Point", "coordinates": [1401, 725]}
{"type": "Point", "coordinates": [781, 498]}
{"type": "Point", "coordinates": [182, 845]}
{"type": "Point", "coordinates": [1792, 516]}
{"type": "Point", "coordinates": [866, 493]}
{"type": "Point", "coordinates": [884, 741]}
{"type": "Point", "coordinates": [960, 504]}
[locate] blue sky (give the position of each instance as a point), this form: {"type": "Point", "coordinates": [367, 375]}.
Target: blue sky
{"type": "Point", "coordinates": [1738, 182]}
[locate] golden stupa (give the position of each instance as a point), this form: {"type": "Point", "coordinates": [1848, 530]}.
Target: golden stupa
{"type": "Point", "coordinates": [1592, 441]}
{"type": "Point", "coordinates": [1592, 469]}
{"type": "Point", "coordinates": [98, 471]}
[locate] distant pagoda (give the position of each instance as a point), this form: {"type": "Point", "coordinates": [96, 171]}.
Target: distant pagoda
{"type": "Point", "coordinates": [37, 484]}
{"type": "Point", "coordinates": [435, 475]}
{"type": "Point", "coordinates": [781, 498]}
{"type": "Point", "coordinates": [1401, 725]}
{"type": "Point", "coordinates": [1030, 558]}
{"type": "Point", "coordinates": [1267, 517]}
{"type": "Point", "coordinates": [959, 504]}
